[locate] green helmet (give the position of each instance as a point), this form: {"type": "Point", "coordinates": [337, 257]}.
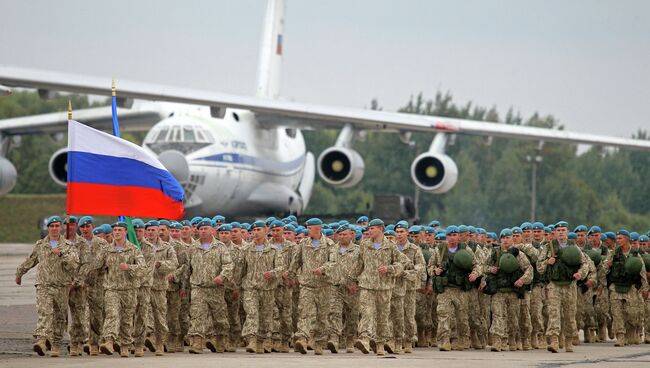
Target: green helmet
{"type": "Point", "coordinates": [463, 259]}
{"type": "Point", "coordinates": [646, 260]}
{"type": "Point", "coordinates": [508, 263]}
{"type": "Point", "coordinates": [426, 253]}
{"type": "Point", "coordinates": [571, 256]}
{"type": "Point", "coordinates": [633, 265]}
{"type": "Point", "coordinates": [594, 255]}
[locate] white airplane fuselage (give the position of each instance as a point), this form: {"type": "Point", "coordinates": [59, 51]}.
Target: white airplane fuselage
{"type": "Point", "coordinates": [235, 166]}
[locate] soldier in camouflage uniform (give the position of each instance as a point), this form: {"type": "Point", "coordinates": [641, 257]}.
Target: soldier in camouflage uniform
{"type": "Point", "coordinates": [585, 313]}
{"type": "Point", "coordinates": [210, 266]}
{"type": "Point", "coordinates": [344, 302]}
{"type": "Point", "coordinates": [77, 293]}
{"type": "Point", "coordinates": [314, 262]}
{"type": "Point", "coordinates": [260, 270]}
{"type": "Point", "coordinates": [538, 290]}
{"type": "Point", "coordinates": [123, 265]}
{"type": "Point", "coordinates": [378, 263]}
{"type": "Point", "coordinates": [425, 317]}
{"type": "Point", "coordinates": [178, 284]}
{"type": "Point", "coordinates": [644, 245]}
{"type": "Point", "coordinates": [57, 262]}
{"type": "Point", "coordinates": [282, 326]}
{"type": "Point", "coordinates": [141, 327]}
{"type": "Point", "coordinates": [226, 233]}
{"type": "Point", "coordinates": [525, 323]}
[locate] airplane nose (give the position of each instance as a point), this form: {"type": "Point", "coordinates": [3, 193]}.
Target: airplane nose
{"type": "Point", "coordinates": [176, 163]}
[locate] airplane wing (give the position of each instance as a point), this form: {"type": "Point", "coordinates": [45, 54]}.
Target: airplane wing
{"type": "Point", "coordinates": [96, 117]}
{"type": "Point", "coordinates": [276, 112]}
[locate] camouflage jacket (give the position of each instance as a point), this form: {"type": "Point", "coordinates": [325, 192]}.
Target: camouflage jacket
{"type": "Point", "coordinates": [52, 270]}
{"type": "Point", "coordinates": [365, 271]}
{"type": "Point", "coordinates": [347, 260]}
{"type": "Point", "coordinates": [108, 261]}
{"type": "Point", "coordinates": [235, 255]}
{"type": "Point", "coordinates": [286, 253]}
{"type": "Point", "coordinates": [254, 263]}
{"type": "Point", "coordinates": [307, 257]}
{"type": "Point", "coordinates": [88, 252]}
{"type": "Point", "coordinates": [412, 277]}
{"type": "Point", "coordinates": [166, 256]}
{"type": "Point", "coordinates": [181, 273]}
{"type": "Point", "coordinates": [205, 265]}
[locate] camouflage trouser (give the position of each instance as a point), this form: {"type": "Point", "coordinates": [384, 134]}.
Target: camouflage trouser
{"type": "Point", "coordinates": [423, 314]}
{"type": "Point", "coordinates": [77, 303]}
{"type": "Point", "coordinates": [184, 316]}
{"type": "Point", "coordinates": [505, 314]}
{"type": "Point", "coordinates": [173, 312]}
{"type": "Point", "coordinates": [52, 308]}
{"type": "Point", "coordinates": [294, 307]}
{"type": "Point", "coordinates": [159, 313]}
{"type": "Point", "coordinates": [623, 310]}
{"type": "Point", "coordinates": [234, 320]}
{"type": "Point", "coordinates": [396, 318]}
{"type": "Point", "coordinates": [476, 322]}
{"type": "Point", "coordinates": [258, 305]}
{"type": "Point", "coordinates": [485, 302]}
{"type": "Point", "coordinates": [601, 308]}
{"type": "Point", "coordinates": [452, 304]}
{"type": "Point", "coordinates": [410, 327]}
{"type": "Point", "coordinates": [95, 295]}
{"type": "Point", "coordinates": [282, 323]}
{"type": "Point", "coordinates": [561, 309]}
{"type": "Point", "coordinates": [374, 307]}
{"type": "Point", "coordinates": [646, 318]}
{"type": "Point", "coordinates": [313, 308]}
{"type": "Point", "coordinates": [537, 298]}
{"type": "Point", "coordinates": [343, 315]}
{"type": "Point", "coordinates": [208, 302]}
{"type": "Point", "coordinates": [587, 315]}
{"type": "Point", "coordinates": [525, 323]}
{"type": "Point", "coordinates": [143, 302]}
{"type": "Point", "coordinates": [119, 307]}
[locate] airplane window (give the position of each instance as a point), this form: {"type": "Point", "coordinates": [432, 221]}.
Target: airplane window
{"type": "Point", "coordinates": [162, 135]}
{"type": "Point", "coordinates": [183, 138]}
{"type": "Point", "coordinates": [188, 134]}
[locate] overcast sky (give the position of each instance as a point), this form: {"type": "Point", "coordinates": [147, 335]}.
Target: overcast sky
{"type": "Point", "coordinates": [586, 62]}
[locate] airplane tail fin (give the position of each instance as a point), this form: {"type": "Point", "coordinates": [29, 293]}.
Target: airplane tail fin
{"type": "Point", "coordinates": [268, 72]}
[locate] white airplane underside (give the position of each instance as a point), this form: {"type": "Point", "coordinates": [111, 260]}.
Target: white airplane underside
{"type": "Point", "coordinates": [244, 155]}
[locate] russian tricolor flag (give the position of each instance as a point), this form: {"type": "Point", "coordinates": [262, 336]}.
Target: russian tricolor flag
{"type": "Point", "coordinates": [110, 176]}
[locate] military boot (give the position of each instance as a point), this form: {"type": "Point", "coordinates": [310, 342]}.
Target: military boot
{"type": "Point", "coordinates": [196, 344]}
{"type": "Point", "coordinates": [75, 350]}
{"type": "Point", "coordinates": [476, 344]}
{"type": "Point", "coordinates": [534, 342]}
{"type": "Point", "coordinates": [276, 345]}
{"type": "Point", "coordinates": [349, 345]}
{"type": "Point", "coordinates": [55, 350]}
{"type": "Point", "coordinates": [139, 351]}
{"type": "Point", "coordinates": [178, 344]}
{"type": "Point", "coordinates": [363, 345]}
{"type": "Point", "coordinates": [445, 345]}
{"type": "Point", "coordinates": [421, 340]}
{"type": "Point", "coordinates": [575, 340]}
{"type": "Point", "coordinates": [541, 340]}
{"type": "Point", "coordinates": [380, 349]}
{"type": "Point", "coordinates": [525, 344]}
{"type": "Point", "coordinates": [318, 347]}
{"type": "Point", "coordinates": [284, 346]}
{"type": "Point", "coordinates": [588, 336]}
{"type": "Point", "coordinates": [620, 340]}
{"type": "Point", "coordinates": [561, 341]}
{"type": "Point", "coordinates": [389, 346]}
{"type": "Point", "coordinates": [455, 345]}
{"type": "Point", "coordinates": [252, 344]}
{"type": "Point", "coordinates": [602, 333]}
{"type": "Point", "coordinates": [149, 344]}
{"type": "Point", "coordinates": [107, 346]}
{"type": "Point", "coordinates": [40, 346]}
{"type": "Point", "coordinates": [211, 344]}
{"type": "Point", "coordinates": [553, 344]}
{"type": "Point", "coordinates": [300, 346]}
{"type": "Point", "coordinates": [220, 343]}
{"type": "Point", "coordinates": [568, 347]}
{"type": "Point", "coordinates": [512, 344]}
{"type": "Point", "coordinates": [94, 350]}
{"type": "Point", "coordinates": [160, 346]}
{"type": "Point", "coordinates": [86, 348]}
{"type": "Point", "coordinates": [333, 344]}
{"type": "Point", "coordinates": [267, 345]}
{"type": "Point", "coordinates": [496, 344]}
{"type": "Point", "coordinates": [259, 348]}
{"type": "Point", "coordinates": [408, 347]}
{"type": "Point", "coordinates": [231, 345]}
{"type": "Point", "coordinates": [310, 343]}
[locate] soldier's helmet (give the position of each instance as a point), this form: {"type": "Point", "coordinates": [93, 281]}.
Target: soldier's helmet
{"type": "Point", "coordinates": [508, 263]}
{"type": "Point", "coordinates": [463, 259]}
{"type": "Point", "coordinates": [633, 265]}
{"type": "Point", "coordinates": [594, 255]}
{"type": "Point", "coordinates": [571, 256]}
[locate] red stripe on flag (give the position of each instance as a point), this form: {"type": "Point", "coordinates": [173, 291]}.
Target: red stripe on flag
{"type": "Point", "coordinates": [112, 200]}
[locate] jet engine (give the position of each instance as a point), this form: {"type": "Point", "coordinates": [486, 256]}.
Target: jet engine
{"type": "Point", "coordinates": [58, 167]}
{"type": "Point", "coordinates": [434, 171]}
{"type": "Point", "coordinates": [341, 167]}
{"type": "Point", "coordinates": [7, 176]}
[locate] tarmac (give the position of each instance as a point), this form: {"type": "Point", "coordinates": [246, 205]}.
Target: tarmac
{"type": "Point", "coordinates": [18, 318]}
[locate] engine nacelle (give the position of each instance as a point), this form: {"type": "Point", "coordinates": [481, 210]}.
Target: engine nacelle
{"type": "Point", "coordinates": [58, 167]}
{"type": "Point", "coordinates": [341, 167]}
{"type": "Point", "coordinates": [434, 172]}
{"type": "Point", "coordinates": [8, 176]}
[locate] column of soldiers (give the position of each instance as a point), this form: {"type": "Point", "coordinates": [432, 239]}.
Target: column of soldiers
{"type": "Point", "coordinates": [272, 285]}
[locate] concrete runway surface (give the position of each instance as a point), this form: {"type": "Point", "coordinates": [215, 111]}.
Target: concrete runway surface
{"type": "Point", "coordinates": [18, 318]}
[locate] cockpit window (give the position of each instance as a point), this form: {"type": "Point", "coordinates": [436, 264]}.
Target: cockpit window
{"type": "Point", "coordinates": [180, 137]}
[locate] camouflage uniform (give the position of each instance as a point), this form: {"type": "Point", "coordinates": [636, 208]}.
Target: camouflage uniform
{"type": "Point", "coordinates": [313, 306]}
{"type": "Point", "coordinates": [375, 289]}
{"type": "Point", "coordinates": [478, 326]}
{"type": "Point", "coordinates": [141, 326]}
{"type": "Point", "coordinates": [258, 292]}
{"type": "Point", "coordinates": [233, 305]}
{"type": "Point", "coordinates": [54, 276]}
{"type": "Point", "coordinates": [208, 298]}
{"type": "Point", "coordinates": [120, 290]}
{"type": "Point", "coordinates": [525, 330]}
{"type": "Point", "coordinates": [402, 310]}
{"type": "Point", "coordinates": [282, 324]}
{"type": "Point", "coordinates": [77, 297]}
{"type": "Point", "coordinates": [165, 256]}
{"type": "Point", "coordinates": [585, 314]}
{"type": "Point", "coordinates": [174, 300]}
{"type": "Point", "coordinates": [344, 305]}
{"type": "Point", "coordinates": [425, 315]}
{"type": "Point", "coordinates": [94, 282]}
{"type": "Point", "coordinates": [537, 301]}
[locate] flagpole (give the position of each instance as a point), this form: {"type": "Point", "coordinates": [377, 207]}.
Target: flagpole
{"type": "Point", "coordinates": [68, 236]}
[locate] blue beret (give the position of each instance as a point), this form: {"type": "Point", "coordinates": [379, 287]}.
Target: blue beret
{"type": "Point", "coordinates": [276, 223]}
{"type": "Point", "coordinates": [603, 237]}
{"type": "Point", "coordinates": [390, 233]}
{"type": "Point", "coordinates": [334, 225]}
{"type": "Point", "coordinates": [480, 230]}
{"type": "Point", "coordinates": [196, 220]}
{"type": "Point", "coordinates": [225, 227]}
{"type": "Point", "coordinates": [106, 228]}
{"type": "Point", "coordinates": [548, 229]}
{"type": "Point", "coordinates": [151, 223]}
{"type": "Point", "coordinates": [138, 224]}
{"type": "Point", "coordinates": [403, 224]}
{"type": "Point", "coordinates": [644, 238]}
{"type": "Point", "coordinates": [391, 227]}
{"type": "Point", "coordinates": [624, 233]}
{"type": "Point", "coordinates": [86, 220]}
{"type": "Point", "coordinates": [415, 229]}
{"type": "Point", "coordinates": [289, 227]}
{"type": "Point", "coordinates": [164, 223]}
{"type": "Point", "coordinates": [328, 232]}
{"type": "Point", "coordinates": [269, 220]}
{"type": "Point", "coordinates": [176, 225]}
{"type": "Point", "coordinates": [358, 235]}
{"type": "Point", "coordinates": [258, 223]}
{"type": "Point", "coordinates": [120, 224]}
{"type": "Point", "coordinates": [572, 235]}
{"type": "Point", "coordinates": [362, 219]}
{"type": "Point", "coordinates": [562, 224]}
{"type": "Point", "coordinates": [452, 229]}
{"type": "Point", "coordinates": [434, 223]}
{"type": "Point", "coordinates": [73, 219]}
{"type": "Point", "coordinates": [314, 222]}
{"type": "Point", "coordinates": [376, 222]}
{"type": "Point", "coordinates": [344, 222]}
{"type": "Point", "coordinates": [526, 226]}
{"type": "Point", "coordinates": [580, 228]}
{"type": "Point", "coordinates": [505, 232]}
{"type": "Point", "coordinates": [342, 228]}
{"type": "Point", "coordinates": [246, 226]}
{"type": "Point", "coordinates": [538, 226]}
{"type": "Point", "coordinates": [286, 220]}
{"type": "Point", "coordinates": [492, 236]}
{"type": "Point", "coordinates": [516, 230]}
{"type": "Point", "coordinates": [634, 236]}
{"type": "Point", "coordinates": [204, 222]}
{"type": "Point", "coordinates": [462, 229]}
{"type": "Point", "coordinates": [186, 223]}
{"type": "Point", "coordinates": [551, 226]}
{"type": "Point", "coordinates": [610, 235]}
{"type": "Point", "coordinates": [471, 229]}
{"type": "Point", "coordinates": [98, 230]}
{"type": "Point", "coordinates": [53, 219]}
{"type": "Point", "coordinates": [440, 236]}
{"type": "Point", "coordinates": [235, 225]}
{"type": "Point", "coordinates": [594, 229]}
{"type": "Point", "coordinates": [219, 218]}
{"type": "Point", "coordinates": [429, 230]}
